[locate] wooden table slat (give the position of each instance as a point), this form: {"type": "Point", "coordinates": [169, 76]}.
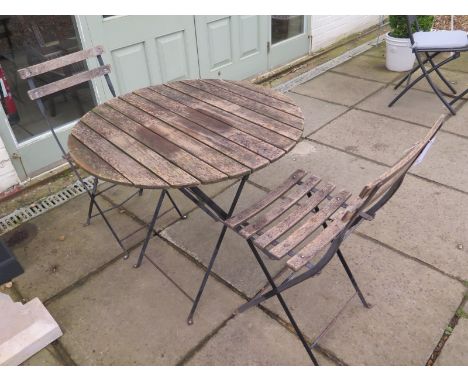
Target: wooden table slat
{"type": "Point", "coordinates": [250, 104]}
{"type": "Point", "coordinates": [123, 163]}
{"type": "Point", "coordinates": [197, 148]}
{"type": "Point", "coordinates": [257, 131]}
{"type": "Point", "coordinates": [162, 168]}
{"type": "Point", "coordinates": [249, 115]}
{"type": "Point", "coordinates": [251, 143]}
{"type": "Point", "coordinates": [225, 146]}
{"type": "Point", "coordinates": [248, 93]}
{"type": "Point", "coordinates": [190, 124]}
{"type": "Point", "coordinates": [90, 162]}
{"type": "Point", "coordinates": [186, 161]}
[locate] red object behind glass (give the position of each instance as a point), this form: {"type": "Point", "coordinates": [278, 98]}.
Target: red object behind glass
{"type": "Point", "coordinates": [7, 99]}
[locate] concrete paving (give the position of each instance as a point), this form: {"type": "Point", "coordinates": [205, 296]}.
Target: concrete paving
{"type": "Point", "coordinates": [410, 261]}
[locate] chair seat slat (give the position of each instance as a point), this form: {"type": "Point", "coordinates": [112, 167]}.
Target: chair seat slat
{"type": "Point", "coordinates": [266, 201]}
{"type": "Point", "coordinates": [315, 246]}
{"type": "Point", "coordinates": [293, 218]}
{"type": "Point", "coordinates": [309, 227]}
{"type": "Point", "coordinates": [292, 198]}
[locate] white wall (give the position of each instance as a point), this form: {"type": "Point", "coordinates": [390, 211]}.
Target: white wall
{"type": "Point", "coordinates": [8, 175]}
{"type": "Point", "coordinates": [326, 30]}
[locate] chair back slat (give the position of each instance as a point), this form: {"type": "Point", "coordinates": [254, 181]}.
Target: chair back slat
{"type": "Point", "coordinates": [68, 82]}
{"type": "Point", "coordinates": [375, 190]}
{"type": "Point", "coordinates": [59, 62]}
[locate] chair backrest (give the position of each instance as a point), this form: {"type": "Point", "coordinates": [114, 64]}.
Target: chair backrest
{"type": "Point", "coordinates": [73, 59]}
{"type": "Point", "coordinates": [412, 21]}
{"type": "Point", "coordinates": [371, 198]}
{"type": "Point", "coordinates": [376, 193]}
{"type": "Point", "coordinates": [30, 72]}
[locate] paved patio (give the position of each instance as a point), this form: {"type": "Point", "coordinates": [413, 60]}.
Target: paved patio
{"type": "Point", "coordinates": [411, 262]}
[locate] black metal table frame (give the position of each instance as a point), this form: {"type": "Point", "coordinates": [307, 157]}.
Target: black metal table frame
{"type": "Point", "coordinates": [194, 194]}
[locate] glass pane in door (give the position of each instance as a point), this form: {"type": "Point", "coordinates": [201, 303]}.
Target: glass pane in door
{"type": "Point", "coordinates": [29, 40]}
{"type": "Point", "coordinates": [286, 26]}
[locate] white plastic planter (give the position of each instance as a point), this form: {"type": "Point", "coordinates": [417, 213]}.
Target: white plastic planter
{"type": "Point", "coordinates": [399, 56]}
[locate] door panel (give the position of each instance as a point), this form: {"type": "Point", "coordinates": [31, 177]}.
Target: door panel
{"type": "Point", "coordinates": [131, 67]}
{"type": "Point", "coordinates": [232, 47]}
{"type": "Point", "coordinates": [146, 50]}
{"type": "Point", "coordinates": [288, 40]}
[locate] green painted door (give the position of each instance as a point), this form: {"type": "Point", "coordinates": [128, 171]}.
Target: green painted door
{"type": "Point", "coordinates": [144, 50]}
{"type": "Point", "coordinates": [289, 38]}
{"type": "Point", "coordinates": [232, 47]}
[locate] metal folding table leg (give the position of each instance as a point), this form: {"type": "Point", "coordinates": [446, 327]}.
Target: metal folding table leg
{"type": "Point", "coordinates": [150, 228]}
{"type": "Point", "coordinates": [216, 250]}
{"type": "Point", "coordinates": [91, 204]}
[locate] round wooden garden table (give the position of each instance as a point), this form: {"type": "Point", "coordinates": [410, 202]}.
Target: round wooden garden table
{"type": "Point", "coordinates": [185, 134]}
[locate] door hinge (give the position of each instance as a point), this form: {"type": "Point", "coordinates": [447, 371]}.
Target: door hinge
{"type": "Point", "coordinates": [15, 156]}
{"type": "Point", "coordinates": [268, 46]}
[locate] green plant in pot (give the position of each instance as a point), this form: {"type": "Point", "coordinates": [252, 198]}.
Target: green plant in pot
{"type": "Point", "coordinates": [399, 56]}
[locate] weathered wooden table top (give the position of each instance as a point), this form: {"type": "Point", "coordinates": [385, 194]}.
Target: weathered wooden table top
{"type": "Point", "coordinates": [186, 133]}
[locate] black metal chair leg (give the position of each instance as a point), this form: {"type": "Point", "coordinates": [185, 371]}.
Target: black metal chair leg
{"type": "Point", "coordinates": [434, 87]}
{"type": "Point", "coordinates": [283, 303]}
{"type": "Point", "coordinates": [150, 228]}
{"type": "Point", "coordinates": [429, 58]}
{"type": "Point", "coordinates": [91, 204]}
{"type": "Point", "coordinates": [352, 279]}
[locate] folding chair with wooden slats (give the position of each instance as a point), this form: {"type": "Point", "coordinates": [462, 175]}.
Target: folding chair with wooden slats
{"type": "Point", "coordinates": [286, 222]}
{"type": "Point", "coordinates": [77, 76]}
{"type": "Point", "coordinates": [426, 46]}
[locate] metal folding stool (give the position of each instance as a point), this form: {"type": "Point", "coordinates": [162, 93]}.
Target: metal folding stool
{"type": "Point", "coordinates": [38, 93]}
{"type": "Point", "coordinates": [426, 47]}
{"type": "Point", "coordinates": [287, 222]}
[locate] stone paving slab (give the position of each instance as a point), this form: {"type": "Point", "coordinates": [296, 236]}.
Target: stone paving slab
{"type": "Point", "coordinates": [458, 124]}
{"type": "Point", "coordinates": [344, 170]}
{"type": "Point", "coordinates": [235, 263]}
{"type": "Point", "coordinates": [458, 80]}
{"type": "Point", "coordinates": [338, 88]}
{"type": "Point", "coordinates": [254, 339]}
{"type": "Point", "coordinates": [316, 112]}
{"type": "Point", "coordinates": [411, 306]}
{"type": "Point", "coordinates": [46, 357]}
{"type": "Point", "coordinates": [460, 64]}
{"type": "Point", "coordinates": [368, 67]}
{"type": "Point", "coordinates": [428, 222]}
{"type": "Point", "coordinates": [386, 140]}
{"type": "Point", "coordinates": [455, 350]}
{"type": "Point", "coordinates": [143, 206]}
{"type": "Point", "coordinates": [424, 220]}
{"type": "Point", "coordinates": [124, 316]}
{"type": "Point", "coordinates": [56, 250]}
{"type": "Point", "coordinates": [377, 51]}
{"type": "Point", "coordinates": [415, 106]}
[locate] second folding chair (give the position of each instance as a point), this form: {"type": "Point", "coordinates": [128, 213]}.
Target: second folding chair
{"type": "Point", "coordinates": [426, 47]}
{"type": "Point", "coordinates": [286, 222]}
